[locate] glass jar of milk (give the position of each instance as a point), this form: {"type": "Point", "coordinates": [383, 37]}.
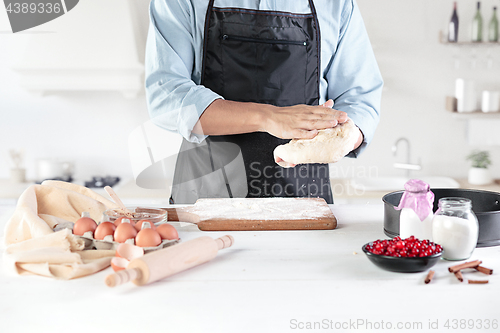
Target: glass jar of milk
{"type": "Point", "coordinates": [455, 228]}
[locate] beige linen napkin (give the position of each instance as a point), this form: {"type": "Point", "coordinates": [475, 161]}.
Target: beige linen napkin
{"type": "Point", "coordinates": [32, 247]}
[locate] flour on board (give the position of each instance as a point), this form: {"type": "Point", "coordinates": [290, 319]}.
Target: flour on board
{"type": "Point", "coordinates": [261, 208]}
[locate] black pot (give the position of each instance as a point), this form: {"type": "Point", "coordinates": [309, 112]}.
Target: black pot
{"type": "Point", "coordinates": [485, 204]}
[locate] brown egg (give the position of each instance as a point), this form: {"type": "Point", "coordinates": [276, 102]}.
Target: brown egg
{"type": "Point", "coordinates": [121, 218]}
{"type": "Point", "coordinates": [124, 231]}
{"type": "Point", "coordinates": [104, 229]}
{"type": "Point", "coordinates": [138, 225]}
{"type": "Point", "coordinates": [148, 238]}
{"type": "Point", "coordinates": [167, 231]}
{"type": "Point", "coordinates": [83, 225]}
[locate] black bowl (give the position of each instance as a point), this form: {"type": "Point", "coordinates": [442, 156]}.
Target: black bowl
{"type": "Point", "coordinates": [402, 264]}
{"type": "Point", "coordinates": [485, 204]}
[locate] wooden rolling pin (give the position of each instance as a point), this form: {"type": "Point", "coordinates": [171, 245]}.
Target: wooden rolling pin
{"type": "Point", "coordinates": [160, 264]}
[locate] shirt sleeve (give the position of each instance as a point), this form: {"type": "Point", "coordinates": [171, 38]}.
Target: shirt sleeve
{"type": "Point", "coordinates": [354, 80]}
{"type": "Point", "coordinates": [175, 101]}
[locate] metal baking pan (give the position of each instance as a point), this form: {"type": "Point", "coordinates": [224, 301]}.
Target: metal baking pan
{"type": "Point", "coordinates": [485, 204]}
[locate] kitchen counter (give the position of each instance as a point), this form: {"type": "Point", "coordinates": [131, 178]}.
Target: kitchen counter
{"type": "Point", "coordinates": [125, 189]}
{"type": "Point", "coordinates": [130, 193]}
{"type": "Point", "coordinates": [344, 192]}
{"type": "Point", "coordinates": [269, 281]}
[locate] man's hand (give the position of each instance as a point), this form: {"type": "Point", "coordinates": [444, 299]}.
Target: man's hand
{"type": "Point", "coordinates": [224, 117]}
{"type": "Point", "coordinates": [301, 121]}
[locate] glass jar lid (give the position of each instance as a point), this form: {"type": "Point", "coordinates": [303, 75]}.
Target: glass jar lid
{"type": "Point", "coordinates": [455, 203]}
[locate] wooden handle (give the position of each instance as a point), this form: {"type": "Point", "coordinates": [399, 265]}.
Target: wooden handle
{"type": "Point", "coordinates": [177, 258]}
{"type": "Point", "coordinates": [116, 199]}
{"type": "Point", "coordinates": [224, 242]}
{"type": "Point", "coordinates": [122, 277]}
{"type": "Point", "coordinates": [181, 214]}
{"type": "Point", "coordinates": [163, 263]}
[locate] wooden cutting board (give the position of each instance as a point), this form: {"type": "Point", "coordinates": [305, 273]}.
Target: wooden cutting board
{"type": "Point", "coordinates": [257, 214]}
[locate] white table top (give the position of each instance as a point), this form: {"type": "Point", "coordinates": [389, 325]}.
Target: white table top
{"type": "Point", "coordinates": [271, 281]}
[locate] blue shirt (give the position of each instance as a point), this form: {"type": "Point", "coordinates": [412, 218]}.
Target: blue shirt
{"type": "Point", "coordinates": [176, 100]}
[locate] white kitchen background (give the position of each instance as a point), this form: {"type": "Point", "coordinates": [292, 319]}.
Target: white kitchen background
{"type": "Point", "coordinates": [92, 129]}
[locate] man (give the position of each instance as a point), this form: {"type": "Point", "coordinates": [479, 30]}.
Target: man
{"type": "Point", "coordinates": [237, 78]}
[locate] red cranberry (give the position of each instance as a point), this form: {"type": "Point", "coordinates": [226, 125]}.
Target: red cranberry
{"type": "Point", "coordinates": [409, 247]}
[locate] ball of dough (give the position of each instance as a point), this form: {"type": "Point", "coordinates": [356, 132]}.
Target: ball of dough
{"type": "Point", "coordinates": [329, 146]}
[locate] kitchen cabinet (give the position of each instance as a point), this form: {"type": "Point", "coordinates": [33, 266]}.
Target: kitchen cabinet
{"type": "Point", "coordinates": [96, 46]}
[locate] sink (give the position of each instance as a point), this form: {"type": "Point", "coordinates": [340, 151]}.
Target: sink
{"type": "Point", "coordinates": [397, 183]}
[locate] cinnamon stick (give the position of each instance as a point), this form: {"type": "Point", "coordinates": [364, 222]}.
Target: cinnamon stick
{"type": "Point", "coordinates": [429, 277]}
{"type": "Point", "coordinates": [487, 271]}
{"type": "Point", "coordinates": [478, 281]}
{"type": "Point", "coordinates": [459, 276]}
{"type": "Point", "coordinates": [469, 264]}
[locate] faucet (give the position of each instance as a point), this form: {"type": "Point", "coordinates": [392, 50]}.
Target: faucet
{"type": "Point", "coordinates": [407, 166]}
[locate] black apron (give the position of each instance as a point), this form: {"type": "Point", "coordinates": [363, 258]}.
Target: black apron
{"type": "Point", "coordinates": [263, 57]}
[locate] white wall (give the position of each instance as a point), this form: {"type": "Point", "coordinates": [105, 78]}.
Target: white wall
{"type": "Point", "coordinates": [92, 129]}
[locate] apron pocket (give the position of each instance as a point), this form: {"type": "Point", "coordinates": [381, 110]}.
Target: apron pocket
{"type": "Point", "coordinates": [257, 73]}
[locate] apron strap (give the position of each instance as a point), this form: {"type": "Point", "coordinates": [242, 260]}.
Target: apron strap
{"type": "Point", "coordinates": [205, 39]}
{"type": "Point", "coordinates": [228, 187]}
{"type": "Point", "coordinates": [318, 36]}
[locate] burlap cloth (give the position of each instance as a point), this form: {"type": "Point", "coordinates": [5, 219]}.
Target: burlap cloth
{"type": "Point", "coordinates": [31, 245]}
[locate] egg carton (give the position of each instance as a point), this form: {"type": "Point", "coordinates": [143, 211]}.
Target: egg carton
{"type": "Point", "coordinates": [109, 244]}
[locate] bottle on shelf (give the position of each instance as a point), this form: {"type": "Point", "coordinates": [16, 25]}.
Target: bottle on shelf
{"type": "Point", "coordinates": [493, 27]}
{"type": "Point", "coordinates": [477, 25]}
{"type": "Point", "coordinates": [453, 26]}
